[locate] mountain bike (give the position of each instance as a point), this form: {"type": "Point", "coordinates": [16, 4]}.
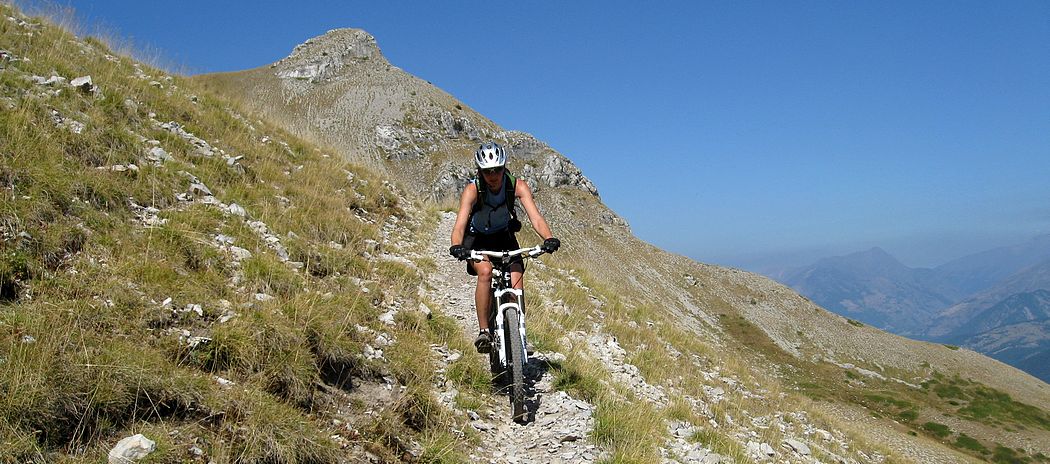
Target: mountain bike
{"type": "Point", "coordinates": [508, 354]}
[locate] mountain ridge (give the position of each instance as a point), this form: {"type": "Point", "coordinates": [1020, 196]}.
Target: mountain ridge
{"type": "Point", "coordinates": [873, 287]}
{"type": "Point", "coordinates": [933, 303]}
{"type": "Point", "coordinates": [979, 271]}
{"type": "Point", "coordinates": [178, 265]}
{"type": "Point", "coordinates": [1033, 278]}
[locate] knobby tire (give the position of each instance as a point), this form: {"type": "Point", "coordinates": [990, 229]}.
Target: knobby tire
{"type": "Point", "coordinates": [516, 359]}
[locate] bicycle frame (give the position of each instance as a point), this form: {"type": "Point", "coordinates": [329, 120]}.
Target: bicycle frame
{"type": "Point", "coordinates": [501, 287]}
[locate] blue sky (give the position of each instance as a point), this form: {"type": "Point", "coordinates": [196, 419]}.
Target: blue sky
{"type": "Point", "coordinates": [741, 133]}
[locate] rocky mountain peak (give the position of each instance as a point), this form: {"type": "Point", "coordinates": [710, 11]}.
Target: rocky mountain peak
{"type": "Point", "coordinates": [322, 57]}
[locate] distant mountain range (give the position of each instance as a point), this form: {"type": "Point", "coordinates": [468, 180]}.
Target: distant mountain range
{"type": "Point", "coordinates": [996, 302]}
{"type": "Point", "coordinates": [873, 287]}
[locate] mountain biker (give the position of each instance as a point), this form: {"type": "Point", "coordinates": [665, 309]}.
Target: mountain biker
{"type": "Point", "coordinates": [487, 221]}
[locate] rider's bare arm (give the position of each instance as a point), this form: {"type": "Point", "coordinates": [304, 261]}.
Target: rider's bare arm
{"type": "Point", "coordinates": [539, 224]}
{"type": "Point", "coordinates": [466, 202]}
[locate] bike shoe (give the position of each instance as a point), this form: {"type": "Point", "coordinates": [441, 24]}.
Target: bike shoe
{"type": "Point", "coordinates": [483, 343]}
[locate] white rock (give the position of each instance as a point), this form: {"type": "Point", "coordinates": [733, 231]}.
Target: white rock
{"type": "Point", "coordinates": [824, 434]}
{"type": "Point", "coordinates": [194, 308]}
{"type": "Point", "coordinates": [226, 316]}
{"type": "Point", "coordinates": [767, 450]}
{"type": "Point", "coordinates": [131, 449]}
{"type": "Point", "coordinates": [55, 80]}
{"type": "Point", "coordinates": [387, 318]}
{"type": "Point", "coordinates": [713, 458]}
{"type": "Point", "coordinates": [239, 254]}
{"type": "Point", "coordinates": [797, 446]}
{"type": "Point", "coordinates": [372, 353]}
{"type": "Point", "coordinates": [237, 210]}
{"type": "Point", "coordinates": [157, 154]}
{"type": "Point", "coordinates": [197, 188]}
{"type": "Point", "coordinates": [556, 357]}
{"type": "Point", "coordinates": [84, 83]}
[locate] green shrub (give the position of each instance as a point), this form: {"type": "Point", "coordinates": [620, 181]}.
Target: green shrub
{"type": "Point", "coordinates": [1006, 455]}
{"type": "Point", "coordinates": [966, 442]}
{"type": "Point", "coordinates": [948, 391]}
{"type": "Point", "coordinates": [908, 415]}
{"type": "Point", "coordinates": [938, 430]}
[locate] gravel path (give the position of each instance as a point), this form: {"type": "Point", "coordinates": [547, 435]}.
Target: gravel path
{"type": "Point", "coordinates": [558, 427]}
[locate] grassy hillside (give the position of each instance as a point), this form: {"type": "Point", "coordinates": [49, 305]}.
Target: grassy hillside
{"type": "Point", "coordinates": [212, 287]}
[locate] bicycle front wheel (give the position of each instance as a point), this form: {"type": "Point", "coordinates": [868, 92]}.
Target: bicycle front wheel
{"type": "Point", "coordinates": [516, 361]}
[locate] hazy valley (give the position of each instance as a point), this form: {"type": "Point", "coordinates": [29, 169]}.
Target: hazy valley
{"type": "Point", "coordinates": [994, 302]}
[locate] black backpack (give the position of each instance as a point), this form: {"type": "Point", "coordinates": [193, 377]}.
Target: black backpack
{"type": "Point", "coordinates": [509, 183]}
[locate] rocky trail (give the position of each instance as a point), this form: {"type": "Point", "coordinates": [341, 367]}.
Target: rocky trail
{"type": "Point", "coordinates": [558, 426]}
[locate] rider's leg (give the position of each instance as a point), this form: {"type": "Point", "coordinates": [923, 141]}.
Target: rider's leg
{"type": "Point", "coordinates": [482, 294]}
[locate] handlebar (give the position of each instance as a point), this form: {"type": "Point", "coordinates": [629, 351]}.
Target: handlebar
{"type": "Point", "coordinates": [530, 252]}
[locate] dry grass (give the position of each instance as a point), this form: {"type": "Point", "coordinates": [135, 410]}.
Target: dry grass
{"type": "Point", "coordinates": [90, 353]}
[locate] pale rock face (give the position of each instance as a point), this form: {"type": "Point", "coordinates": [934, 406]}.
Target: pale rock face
{"type": "Point", "coordinates": [309, 71]}
{"type": "Point", "coordinates": [453, 127]}
{"type": "Point", "coordinates": [451, 181]}
{"type": "Point", "coordinates": [544, 167]}
{"type": "Point", "coordinates": [387, 137]}
{"type": "Point", "coordinates": [320, 58]}
{"type": "Point", "coordinates": [397, 143]}
{"type": "Point", "coordinates": [557, 172]}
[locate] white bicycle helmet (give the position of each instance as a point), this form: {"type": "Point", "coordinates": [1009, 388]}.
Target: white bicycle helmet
{"type": "Point", "coordinates": [490, 155]}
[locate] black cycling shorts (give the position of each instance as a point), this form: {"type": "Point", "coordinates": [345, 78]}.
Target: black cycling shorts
{"type": "Point", "coordinates": [494, 242]}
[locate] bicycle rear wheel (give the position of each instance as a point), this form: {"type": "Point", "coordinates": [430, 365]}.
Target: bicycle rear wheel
{"type": "Point", "coordinates": [516, 361]}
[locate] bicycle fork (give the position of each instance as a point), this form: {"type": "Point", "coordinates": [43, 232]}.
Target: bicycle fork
{"type": "Point", "coordinates": [518, 295]}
